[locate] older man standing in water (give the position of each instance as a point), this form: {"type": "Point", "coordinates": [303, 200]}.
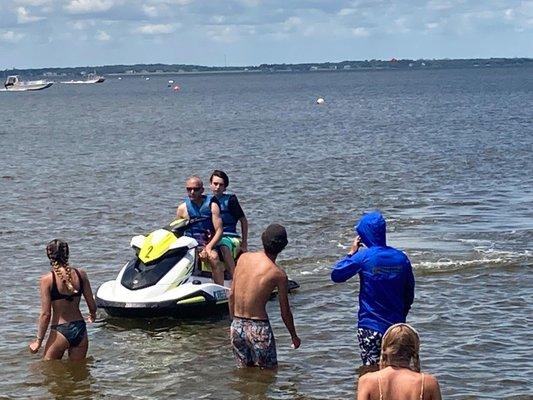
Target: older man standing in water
{"type": "Point", "coordinates": [387, 285]}
{"type": "Point", "coordinates": [208, 231]}
{"type": "Point", "coordinates": [256, 276]}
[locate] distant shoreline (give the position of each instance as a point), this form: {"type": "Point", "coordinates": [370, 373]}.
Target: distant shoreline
{"type": "Point", "coordinates": [343, 66]}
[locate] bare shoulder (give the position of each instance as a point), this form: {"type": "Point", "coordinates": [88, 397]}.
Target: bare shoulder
{"type": "Point", "coordinates": [431, 383]}
{"type": "Point", "coordinates": [243, 259]}
{"type": "Point", "coordinates": [182, 210]}
{"type": "Point", "coordinates": [280, 274]}
{"type": "Point", "coordinates": [365, 385]}
{"type": "Point", "coordinates": [367, 379]}
{"type": "Point", "coordinates": [83, 273]}
{"type": "Point", "coordinates": [46, 279]}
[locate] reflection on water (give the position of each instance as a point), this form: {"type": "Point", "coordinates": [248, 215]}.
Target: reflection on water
{"type": "Point", "coordinates": [252, 383]}
{"type": "Point", "coordinates": [63, 379]}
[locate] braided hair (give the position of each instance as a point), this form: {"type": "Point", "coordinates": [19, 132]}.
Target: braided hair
{"type": "Point", "coordinates": [57, 251]}
{"type": "Point", "coordinates": [400, 347]}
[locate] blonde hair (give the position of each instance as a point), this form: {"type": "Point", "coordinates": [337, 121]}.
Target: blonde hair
{"type": "Point", "coordinates": [400, 346]}
{"type": "Point", "coordinates": [57, 251]}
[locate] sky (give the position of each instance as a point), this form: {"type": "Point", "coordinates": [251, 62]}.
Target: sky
{"type": "Point", "coordinates": [69, 33]}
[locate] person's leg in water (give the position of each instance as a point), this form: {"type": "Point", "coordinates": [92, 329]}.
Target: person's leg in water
{"type": "Point", "coordinates": [56, 345]}
{"type": "Point", "coordinates": [80, 351]}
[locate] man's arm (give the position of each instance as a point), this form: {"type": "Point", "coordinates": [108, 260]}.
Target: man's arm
{"type": "Point", "coordinates": [231, 299]}
{"type": "Point", "coordinates": [347, 267]}
{"type": "Point", "coordinates": [285, 308]}
{"type": "Point", "coordinates": [181, 212]}
{"type": "Point", "coordinates": [244, 234]}
{"type": "Point", "coordinates": [409, 295]}
{"type": "Point", "coordinates": [236, 211]}
{"type": "Point", "coordinates": [217, 223]}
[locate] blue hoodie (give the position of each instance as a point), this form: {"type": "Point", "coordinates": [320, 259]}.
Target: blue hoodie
{"type": "Point", "coordinates": [385, 274]}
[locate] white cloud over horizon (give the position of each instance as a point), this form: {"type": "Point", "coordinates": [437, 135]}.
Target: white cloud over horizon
{"type": "Point", "coordinates": [251, 32]}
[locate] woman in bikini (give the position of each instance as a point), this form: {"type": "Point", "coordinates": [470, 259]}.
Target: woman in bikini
{"type": "Point", "coordinates": [61, 291]}
{"type": "Point", "coordinates": [399, 376]}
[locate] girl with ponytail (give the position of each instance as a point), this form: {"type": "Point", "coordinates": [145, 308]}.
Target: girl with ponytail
{"type": "Point", "coordinates": [61, 291]}
{"type": "Point", "coordinates": [399, 375]}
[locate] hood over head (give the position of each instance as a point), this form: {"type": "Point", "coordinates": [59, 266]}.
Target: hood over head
{"type": "Point", "coordinates": [372, 229]}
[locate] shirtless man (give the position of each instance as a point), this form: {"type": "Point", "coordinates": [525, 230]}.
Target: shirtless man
{"type": "Point", "coordinates": [256, 276]}
{"type": "Point", "coordinates": [207, 232]}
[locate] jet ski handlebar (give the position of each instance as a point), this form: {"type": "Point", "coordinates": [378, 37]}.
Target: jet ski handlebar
{"type": "Point", "coordinates": [180, 226]}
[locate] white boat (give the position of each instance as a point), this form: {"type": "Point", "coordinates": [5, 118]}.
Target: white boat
{"type": "Point", "coordinates": [14, 84]}
{"type": "Point", "coordinates": [90, 79]}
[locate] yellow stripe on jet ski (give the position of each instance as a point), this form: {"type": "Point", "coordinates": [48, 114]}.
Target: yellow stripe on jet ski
{"type": "Point", "coordinates": [192, 300]}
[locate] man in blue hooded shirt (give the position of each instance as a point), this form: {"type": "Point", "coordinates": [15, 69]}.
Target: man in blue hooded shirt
{"type": "Point", "coordinates": [387, 284]}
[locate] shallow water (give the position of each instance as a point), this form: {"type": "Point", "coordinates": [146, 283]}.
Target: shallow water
{"type": "Point", "coordinates": [446, 155]}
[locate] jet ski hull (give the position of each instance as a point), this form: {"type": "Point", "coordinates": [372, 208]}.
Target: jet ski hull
{"type": "Point", "coordinates": [163, 309]}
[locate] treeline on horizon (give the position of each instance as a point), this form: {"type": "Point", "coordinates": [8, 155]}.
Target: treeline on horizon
{"type": "Point", "coordinates": [139, 69]}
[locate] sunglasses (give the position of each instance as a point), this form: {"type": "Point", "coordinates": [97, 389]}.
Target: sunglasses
{"type": "Point", "coordinates": [194, 189]}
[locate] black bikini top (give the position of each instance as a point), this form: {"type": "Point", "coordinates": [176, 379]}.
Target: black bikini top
{"type": "Point", "coordinates": [54, 292]}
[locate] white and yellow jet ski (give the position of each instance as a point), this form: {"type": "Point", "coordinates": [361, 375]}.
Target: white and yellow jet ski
{"type": "Point", "coordinates": [164, 279]}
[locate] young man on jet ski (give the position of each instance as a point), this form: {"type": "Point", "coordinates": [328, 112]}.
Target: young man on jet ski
{"type": "Point", "coordinates": [207, 232]}
{"type": "Point", "coordinates": [231, 212]}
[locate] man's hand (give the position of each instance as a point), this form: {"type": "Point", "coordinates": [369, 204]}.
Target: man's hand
{"type": "Point", "coordinates": [296, 342]}
{"type": "Point", "coordinates": [355, 245]}
{"type": "Point", "coordinates": [244, 247]}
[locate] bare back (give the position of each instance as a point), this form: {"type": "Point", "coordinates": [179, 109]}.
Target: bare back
{"type": "Point", "coordinates": [398, 384]}
{"type": "Point", "coordinates": [256, 276]}
{"type": "Point", "coordinates": [63, 309]}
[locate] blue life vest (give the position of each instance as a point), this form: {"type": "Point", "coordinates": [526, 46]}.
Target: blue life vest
{"type": "Point", "coordinates": [200, 230]}
{"type": "Point", "coordinates": [228, 221]}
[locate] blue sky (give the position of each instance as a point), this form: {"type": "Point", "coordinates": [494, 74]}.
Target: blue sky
{"type": "Point", "coordinates": [46, 33]}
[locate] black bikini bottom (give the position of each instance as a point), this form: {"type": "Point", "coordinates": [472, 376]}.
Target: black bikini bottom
{"type": "Point", "coordinates": [73, 331]}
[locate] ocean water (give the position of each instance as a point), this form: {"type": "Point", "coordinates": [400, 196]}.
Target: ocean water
{"type": "Point", "coordinates": [445, 155]}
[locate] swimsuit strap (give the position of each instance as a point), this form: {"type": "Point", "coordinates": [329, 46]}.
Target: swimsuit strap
{"type": "Point", "coordinates": [422, 388]}
{"type": "Point", "coordinates": [379, 385]}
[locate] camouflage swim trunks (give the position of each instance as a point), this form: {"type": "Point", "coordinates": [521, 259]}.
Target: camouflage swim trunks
{"type": "Point", "coordinates": [253, 343]}
{"type": "Point", "coordinates": [370, 345]}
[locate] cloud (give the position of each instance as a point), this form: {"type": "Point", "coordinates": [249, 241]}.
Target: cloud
{"type": "Point", "coordinates": [103, 36]}
{"type": "Point", "coordinates": [88, 6]}
{"type": "Point", "coordinates": [291, 24]}
{"type": "Point", "coordinates": [346, 11]}
{"type": "Point", "coordinates": [34, 3]}
{"type": "Point", "coordinates": [81, 25]}
{"type": "Point", "coordinates": [11, 37]}
{"type": "Point", "coordinates": [156, 29]}
{"type": "Point", "coordinates": [151, 11]}
{"type": "Point", "coordinates": [360, 32]}
{"type": "Point", "coordinates": [24, 17]}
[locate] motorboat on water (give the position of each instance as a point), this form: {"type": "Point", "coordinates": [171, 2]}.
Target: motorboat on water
{"type": "Point", "coordinates": [90, 79]}
{"type": "Point", "coordinates": [165, 279]}
{"type": "Point", "coordinates": [14, 84]}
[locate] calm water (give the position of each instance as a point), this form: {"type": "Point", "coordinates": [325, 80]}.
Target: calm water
{"type": "Point", "coordinates": [446, 155]}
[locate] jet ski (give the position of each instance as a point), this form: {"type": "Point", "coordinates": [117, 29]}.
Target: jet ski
{"type": "Point", "coordinates": [165, 279]}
